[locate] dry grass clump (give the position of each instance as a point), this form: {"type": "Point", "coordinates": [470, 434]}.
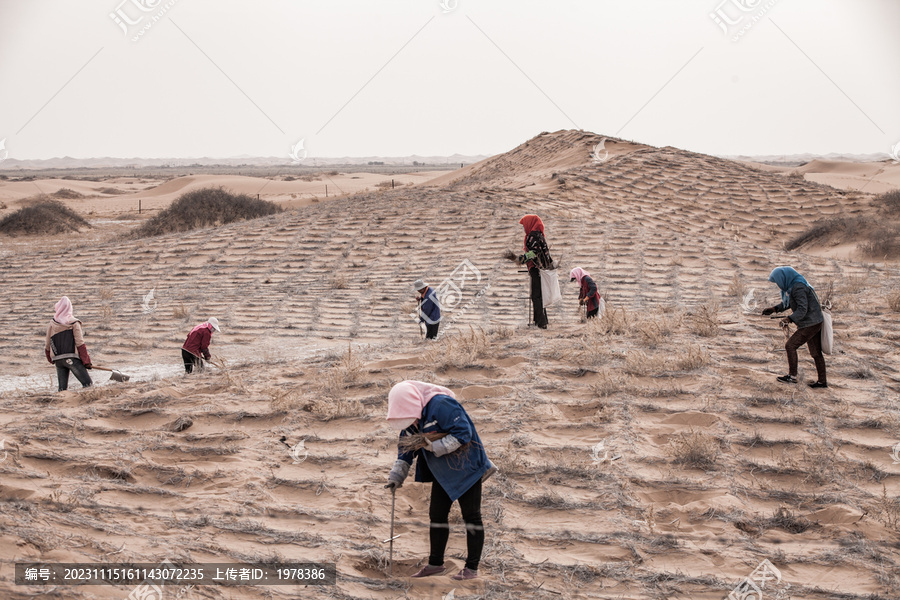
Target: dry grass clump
{"type": "Point", "coordinates": [737, 288]}
{"type": "Point", "coordinates": [695, 449]}
{"type": "Point", "coordinates": [346, 371]}
{"type": "Point", "coordinates": [340, 282]}
{"type": "Point", "coordinates": [615, 321]}
{"type": "Point", "coordinates": [41, 218]}
{"type": "Point", "coordinates": [893, 300]}
{"type": "Point", "coordinates": [609, 383]}
{"type": "Point", "coordinates": [641, 364]}
{"type": "Point", "coordinates": [460, 351]}
{"type": "Point", "coordinates": [181, 311]}
{"type": "Point", "coordinates": [204, 208]}
{"type": "Point", "coordinates": [705, 320]}
{"type": "Point", "coordinates": [654, 331]}
{"type": "Point", "coordinates": [690, 359]}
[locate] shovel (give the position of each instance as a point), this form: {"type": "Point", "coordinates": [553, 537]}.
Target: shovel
{"type": "Point", "coordinates": [113, 374]}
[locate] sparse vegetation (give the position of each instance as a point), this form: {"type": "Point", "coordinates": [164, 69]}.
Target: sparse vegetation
{"type": "Point", "coordinates": [43, 218]}
{"type": "Point", "coordinates": [206, 207]}
{"type": "Point", "coordinates": [67, 194]}
{"type": "Point", "coordinates": [695, 449]}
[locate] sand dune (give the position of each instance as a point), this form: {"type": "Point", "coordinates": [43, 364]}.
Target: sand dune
{"type": "Point", "coordinates": [707, 465]}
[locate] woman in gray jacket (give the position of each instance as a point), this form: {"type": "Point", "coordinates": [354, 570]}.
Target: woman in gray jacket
{"type": "Point", "coordinates": [801, 298]}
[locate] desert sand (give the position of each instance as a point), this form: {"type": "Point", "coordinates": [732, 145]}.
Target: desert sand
{"type": "Point", "coordinates": [650, 454]}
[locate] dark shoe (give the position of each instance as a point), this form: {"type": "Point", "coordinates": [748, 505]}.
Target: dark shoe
{"type": "Point", "coordinates": [428, 571]}
{"type": "Point", "coordinates": [465, 574]}
{"type": "Point", "coordinates": [787, 379]}
{"type": "Point", "coordinates": [818, 384]}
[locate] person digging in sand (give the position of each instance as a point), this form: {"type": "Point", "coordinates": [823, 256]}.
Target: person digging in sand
{"type": "Point", "coordinates": [197, 344]}
{"type": "Point", "coordinates": [429, 309]}
{"type": "Point", "coordinates": [536, 257]}
{"type": "Point", "coordinates": [436, 430]}
{"type": "Point", "coordinates": [65, 348]}
{"type": "Point", "coordinates": [588, 295]}
{"type": "Point", "coordinates": [801, 298]}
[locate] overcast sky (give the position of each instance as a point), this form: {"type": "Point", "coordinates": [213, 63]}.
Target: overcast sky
{"type": "Point", "coordinates": [223, 78]}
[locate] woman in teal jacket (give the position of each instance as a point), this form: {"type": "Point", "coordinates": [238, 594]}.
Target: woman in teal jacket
{"type": "Point", "coordinates": [456, 464]}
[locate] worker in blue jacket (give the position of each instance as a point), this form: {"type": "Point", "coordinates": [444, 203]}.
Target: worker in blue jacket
{"type": "Point", "coordinates": [429, 309]}
{"type": "Point", "coordinates": [456, 464]}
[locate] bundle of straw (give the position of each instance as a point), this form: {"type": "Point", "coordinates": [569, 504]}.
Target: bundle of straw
{"type": "Point", "coordinates": [417, 441]}
{"type": "Point", "coordinates": [510, 255]}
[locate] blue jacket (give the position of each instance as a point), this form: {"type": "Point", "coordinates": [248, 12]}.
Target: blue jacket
{"type": "Point", "coordinates": [430, 310]}
{"type": "Point", "coordinates": [459, 470]}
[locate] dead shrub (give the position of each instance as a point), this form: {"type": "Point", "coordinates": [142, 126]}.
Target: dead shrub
{"type": "Point", "coordinates": [704, 321]}
{"type": "Point", "coordinates": [458, 351]}
{"type": "Point", "coordinates": [205, 207]}
{"type": "Point", "coordinates": [695, 449]}
{"type": "Point", "coordinates": [737, 288]}
{"type": "Point", "coordinates": [43, 217]}
{"type": "Point", "coordinates": [339, 282]}
{"type": "Point", "coordinates": [181, 311]}
{"type": "Point", "coordinates": [690, 359]}
{"type": "Point", "coordinates": [67, 194]}
{"type": "Point", "coordinates": [609, 383]}
{"type": "Point", "coordinates": [893, 301]}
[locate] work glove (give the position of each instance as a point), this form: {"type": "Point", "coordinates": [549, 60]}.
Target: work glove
{"type": "Point", "coordinates": [398, 474]}
{"type": "Point", "coordinates": [786, 321]}
{"type": "Point", "coordinates": [769, 311]}
{"type": "Point", "coordinates": [443, 446]}
{"type": "Point", "coordinates": [89, 366]}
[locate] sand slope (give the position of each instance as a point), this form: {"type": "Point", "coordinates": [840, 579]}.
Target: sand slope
{"type": "Point", "coordinates": [707, 465]}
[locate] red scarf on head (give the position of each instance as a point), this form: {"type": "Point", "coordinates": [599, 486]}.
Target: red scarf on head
{"type": "Point", "coordinates": [531, 223]}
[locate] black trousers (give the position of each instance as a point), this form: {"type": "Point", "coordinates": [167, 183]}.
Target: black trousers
{"type": "Point", "coordinates": [593, 313]}
{"type": "Point", "coordinates": [537, 298]}
{"type": "Point", "coordinates": [191, 362]}
{"type": "Point", "coordinates": [812, 337]}
{"type": "Point", "coordinates": [431, 330]}
{"type": "Point", "coordinates": [439, 511]}
{"type": "Point", "coordinates": [74, 365]}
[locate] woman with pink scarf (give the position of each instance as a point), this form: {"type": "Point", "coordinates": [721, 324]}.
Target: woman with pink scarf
{"type": "Point", "coordinates": [64, 346]}
{"type": "Point", "coordinates": [456, 464]}
{"type": "Point", "coordinates": [588, 294]}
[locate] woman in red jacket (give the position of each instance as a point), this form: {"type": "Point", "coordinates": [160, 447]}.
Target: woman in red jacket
{"type": "Point", "coordinates": [197, 344]}
{"type": "Point", "coordinates": [536, 257]}
{"type": "Point", "coordinates": [65, 348]}
{"type": "Point", "coordinates": [589, 296]}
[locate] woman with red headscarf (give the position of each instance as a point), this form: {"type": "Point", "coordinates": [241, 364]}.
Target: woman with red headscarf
{"type": "Point", "coordinates": [64, 346]}
{"type": "Point", "coordinates": [536, 257]}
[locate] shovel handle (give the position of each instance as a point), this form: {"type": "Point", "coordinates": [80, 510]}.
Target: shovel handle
{"type": "Point", "coordinates": [102, 368]}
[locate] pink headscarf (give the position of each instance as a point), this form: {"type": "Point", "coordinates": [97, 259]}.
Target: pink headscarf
{"type": "Point", "coordinates": [578, 273]}
{"type": "Point", "coordinates": [407, 399]}
{"type": "Point", "coordinates": [64, 312]}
